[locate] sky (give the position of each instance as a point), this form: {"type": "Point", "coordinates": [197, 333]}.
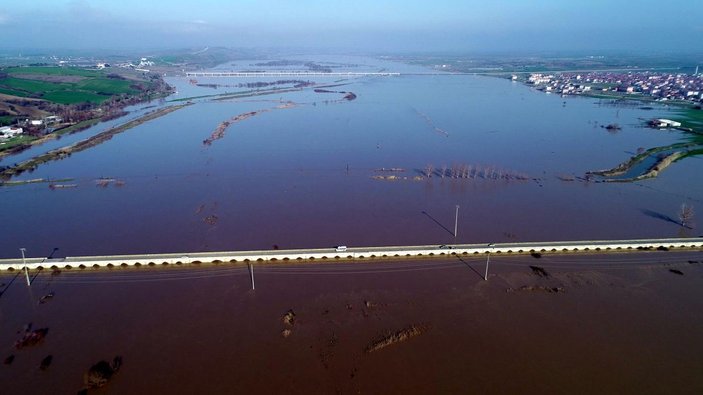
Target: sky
{"type": "Point", "coordinates": [371, 25]}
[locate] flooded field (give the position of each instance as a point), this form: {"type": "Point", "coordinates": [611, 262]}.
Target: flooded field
{"type": "Point", "coordinates": [621, 323]}
{"type": "Point", "coordinates": [298, 170]}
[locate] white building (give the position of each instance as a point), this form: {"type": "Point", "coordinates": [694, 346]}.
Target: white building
{"type": "Point", "coordinates": [144, 62]}
{"type": "Point", "coordinates": [536, 79]}
{"type": "Point", "coordinates": [666, 123]}
{"type": "Point", "coordinates": [7, 132]}
{"type": "Point", "coordinates": [52, 119]}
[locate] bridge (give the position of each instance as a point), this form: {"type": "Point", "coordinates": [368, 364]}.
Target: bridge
{"type": "Point", "coordinates": [286, 73]}
{"type": "Point", "coordinates": [478, 71]}
{"type": "Point", "coordinates": [355, 253]}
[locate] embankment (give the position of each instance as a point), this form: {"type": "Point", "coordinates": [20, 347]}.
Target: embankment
{"type": "Point", "coordinates": [99, 138]}
{"type": "Point", "coordinates": [221, 129]}
{"type": "Point", "coordinates": [678, 151]}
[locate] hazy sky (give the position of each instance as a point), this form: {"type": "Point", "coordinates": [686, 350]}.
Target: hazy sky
{"type": "Point", "coordinates": [375, 25]}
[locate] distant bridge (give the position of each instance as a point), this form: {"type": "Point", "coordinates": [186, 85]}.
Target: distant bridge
{"type": "Point", "coordinates": [478, 71]}
{"type": "Point", "coordinates": [285, 73]}
{"type": "Point", "coordinates": [356, 253]}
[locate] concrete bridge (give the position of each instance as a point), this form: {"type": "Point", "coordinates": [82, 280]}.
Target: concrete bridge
{"type": "Point", "coordinates": [285, 73]}
{"type": "Point", "coordinates": [355, 253]}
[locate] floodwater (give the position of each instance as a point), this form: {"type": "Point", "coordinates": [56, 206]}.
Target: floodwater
{"type": "Point", "coordinates": [302, 176]}
{"type": "Point", "coordinates": [620, 323]}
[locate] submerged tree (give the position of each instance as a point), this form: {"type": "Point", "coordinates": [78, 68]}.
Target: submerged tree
{"type": "Point", "coordinates": [429, 169]}
{"type": "Point", "coordinates": [686, 215]}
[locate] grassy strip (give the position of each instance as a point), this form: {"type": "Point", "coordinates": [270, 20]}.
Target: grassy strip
{"type": "Point", "coordinates": [213, 95]}
{"type": "Point", "coordinates": [236, 95]}
{"type": "Point", "coordinates": [657, 168]}
{"type": "Point", "coordinates": [194, 97]}
{"type": "Point", "coordinates": [32, 181]}
{"type": "Point", "coordinates": [77, 127]}
{"type": "Point", "coordinates": [15, 141]}
{"type": "Point", "coordinates": [625, 166]}
{"type": "Point", "coordinates": [258, 93]}
{"type": "Point", "coordinates": [691, 153]}
{"type": "Point", "coordinates": [99, 138]}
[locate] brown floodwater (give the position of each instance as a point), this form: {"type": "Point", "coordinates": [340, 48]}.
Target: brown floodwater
{"type": "Point", "coordinates": [620, 323]}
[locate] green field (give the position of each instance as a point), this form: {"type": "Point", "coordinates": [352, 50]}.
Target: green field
{"type": "Point", "coordinates": [15, 141]}
{"type": "Point", "coordinates": [6, 120]}
{"type": "Point", "coordinates": [78, 126]}
{"type": "Point", "coordinates": [49, 70]}
{"type": "Point", "coordinates": [691, 118]}
{"type": "Point", "coordinates": [71, 97]}
{"type": "Point", "coordinates": [13, 92]}
{"type": "Point", "coordinates": [93, 86]}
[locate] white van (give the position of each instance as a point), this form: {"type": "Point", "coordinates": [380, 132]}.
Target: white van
{"type": "Point", "coordinates": [340, 248]}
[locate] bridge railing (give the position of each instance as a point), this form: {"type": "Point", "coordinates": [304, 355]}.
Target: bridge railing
{"type": "Point", "coordinates": [284, 73]}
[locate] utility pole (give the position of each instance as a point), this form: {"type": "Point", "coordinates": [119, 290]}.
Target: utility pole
{"type": "Point", "coordinates": [456, 221]}
{"type": "Point", "coordinates": [251, 273]}
{"type": "Point", "coordinates": [26, 272]}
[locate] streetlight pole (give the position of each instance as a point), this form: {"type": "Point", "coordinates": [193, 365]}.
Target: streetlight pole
{"type": "Point", "coordinates": [26, 272]}
{"type": "Point", "coordinates": [456, 220]}
{"type": "Point", "coordinates": [488, 259]}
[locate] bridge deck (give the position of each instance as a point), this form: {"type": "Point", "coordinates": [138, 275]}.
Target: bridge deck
{"type": "Point", "coordinates": [284, 73]}
{"type": "Point", "coordinates": [355, 253]}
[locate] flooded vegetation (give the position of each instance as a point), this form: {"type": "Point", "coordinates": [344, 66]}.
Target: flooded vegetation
{"type": "Point", "coordinates": [396, 337]}
{"type": "Point", "coordinates": [100, 374]}
{"type": "Point", "coordinates": [219, 132]}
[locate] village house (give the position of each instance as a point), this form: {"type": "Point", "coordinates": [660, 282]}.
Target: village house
{"type": "Point", "coordinates": [8, 132]}
{"type": "Point", "coordinates": [664, 123]}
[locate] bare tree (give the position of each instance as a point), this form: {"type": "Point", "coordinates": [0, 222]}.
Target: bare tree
{"type": "Point", "coordinates": [443, 171]}
{"type": "Point", "coordinates": [429, 169]}
{"type": "Point", "coordinates": [456, 171]}
{"type": "Point", "coordinates": [686, 215]}
{"type": "Point", "coordinates": [490, 172]}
